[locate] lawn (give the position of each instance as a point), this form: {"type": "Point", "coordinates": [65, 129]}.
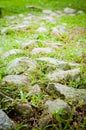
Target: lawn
{"type": "Point", "coordinates": [18, 6]}
{"type": "Point", "coordinates": [19, 25]}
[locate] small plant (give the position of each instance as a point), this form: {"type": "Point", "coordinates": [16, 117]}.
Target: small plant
{"type": "Point", "coordinates": [63, 122]}
{"type": "Point", "coordinates": [36, 100]}
{"type": "Point", "coordinates": [23, 96]}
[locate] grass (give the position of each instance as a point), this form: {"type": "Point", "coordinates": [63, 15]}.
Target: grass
{"type": "Point", "coordinates": [73, 50]}
{"type": "Point", "coordinates": [15, 7]}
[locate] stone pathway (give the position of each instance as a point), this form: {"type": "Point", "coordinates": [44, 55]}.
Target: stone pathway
{"type": "Point", "coordinates": [20, 69]}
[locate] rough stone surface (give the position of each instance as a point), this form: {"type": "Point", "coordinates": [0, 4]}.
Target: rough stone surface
{"type": "Point", "coordinates": [57, 107]}
{"type": "Point", "coordinates": [12, 52]}
{"type": "Point", "coordinates": [47, 11]}
{"type": "Point", "coordinates": [69, 10]}
{"type": "Point", "coordinates": [10, 17]}
{"type": "Point", "coordinates": [16, 80]}
{"type": "Point", "coordinates": [20, 65]}
{"type": "Point", "coordinates": [68, 93]}
{"type": "Point", "coordinates": [58, 31]}
{"type": "Point", "coordinates": [29, 44]}
{"type": "Point", "coordinates": [53, 45]}
{"type": "Point", "coordinates": [80, 12]}
{"type": "Point", "coordinates": [58, 63]}
{"type": "Point", "coordinates": [20, 27]}
{"type": "Point", "coordinates": [53, 14]}
{"type": "Point", "coordinates": [16, 28]}
{"type": "Point", "coordinates": [24, 109]}
{"type": "Point", "coordinates": [64, 75]}
{"type": "Point", "coordinates": [42, 50]}
{"type": "Point", "coordinates": [44, 120]}
{"type": "Point", "coordinates": [34, 90]}
{"type": "Point", "coordinates": [42, 30]}
{"type": "Point", "coordinates": [1, 51]}
{"type": "Point", "coordinates": [21, 15]}
{"type": "Point", "coordinates": [49, 19]}
{"type": "Point", "coordinates": [5, 122]}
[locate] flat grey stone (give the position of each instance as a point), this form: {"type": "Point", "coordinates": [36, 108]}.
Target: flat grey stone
{"type": "Point", "coordinates": [1, 51]}
{"type": "Point", "coordinates": [5, 122]}
{"type": "Point", "coordinates": [42, 50]}
{"type": "Point", "coordinates": [54, 108]}
{"type": "Point", "coordinates": [69, 10]}
{"type": "Point", "coordinates": [58, 63]}
{"type": "Point", "coordinates": [12, 52]}
{"type": "Point", "coordinates": [80, 12]}
{"type": "Point", "coordinates": [29, 44]}
{"type": "Point", "coordinates": [21, 15]}
{"type": "Point", "coordinates": [16, 80]}
{"type": "Point", "coordinates": [20, 27]}
{"type": "Point", "coordinates": [30, 17]}
{"type": "Point", "coordinates": [47, 11]}
{"type": "Point", "coordinates": [56, 105]}
{"type": "Point", "coordinates": [10, 17]}
{"type": "Point", "coordinates": [49, 19]}
{"type": "Point", "coordinates": [58, 31]}
{"type": "Point", "coordinates": [64, 75]}
{"type": "Point", "coordinates": [44, 121]}
{"type": "Point", "coordinates": [15, 28]}
{"type": "Point", "coordinates": [42, 30]}
{"type": "Point", "coordinates": [53, 14]}
{"type": "Point", "coordinates": [53, 45]}
{"type": "Point", "coordinates": [59, 12]}
{"type": "Point", "coordinates": [24, 109]}
{"type": "Point", "coordinates": [34, 90]}
{"type": "Point", "coordinates": [20, 65]}
{"type": "Point", "coordinates": [68, 93]}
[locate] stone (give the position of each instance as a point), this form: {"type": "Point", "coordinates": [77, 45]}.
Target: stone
{"type": "Point", "coordinates": [20, 27]}
{"type": "Point", "coordinates": [44, 121]}
{"type": "Point", "coordinates": [10, 17]}
{"type": "Point", "coordinates": [69, 93]}
{"type": "Point", "coordinates": [49, 19]}
{"type": "Point", "coordinates": [20, 65]}
{"type": "Point", "coordinates": [69, 10]}
{"type": "Point", "coordinates": [54, 108]}
{"type": "Point", "coordinates": [58, 63]}
{"type": "Point", "coordinates": [30, 17]}
{"type": "Point", "coordinates": [60, 75]}
{"type": "Point", "coordinates": [29, 44]}
{"type": "Point", "coordinates": [24, 109]}
{"type": "Point", "coordinates": [5, 122]}
{"type": "Point", "coordinates": [41, 50]}
{"type": "Point", "coordinates": [42, 24]}
{"type": "Point", "coordinates": [47, 11]}
{"type": "Point", "coordinates": [1, 51]}
{"type": "Point", "coordinates": [59, 12]}
{"type": "Point", "coordinates": [53, 14]}
{"type": "Point", "coordinates": [34, 7]}
{"type": "Point", "coordinates": [16, 80]}
{"type": "Point", "coordinates": [80, 12]}
{"type": "Point", "coordinates": [42, 30]}
{"type": "Point", "coordinates": [34, 90]}
{"type": "Point", "coordinates": [15, 28]}
{"type": "Point", "coordinates": [21, 15]}
{"type": "Point", "coordinates": [58, 31]}
{"type": "Point", "coordinates": [56, 45]}
{"type": "Point", "coordinates": [12, 52]}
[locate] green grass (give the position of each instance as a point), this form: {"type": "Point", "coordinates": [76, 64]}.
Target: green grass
{"type": "Point", "coordinates": [73, 48]}
{"type": "Point", "coordinates": [18, 6]}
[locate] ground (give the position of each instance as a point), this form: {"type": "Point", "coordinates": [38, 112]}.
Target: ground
{"type": "Point", "coordinates": [30, 30]}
